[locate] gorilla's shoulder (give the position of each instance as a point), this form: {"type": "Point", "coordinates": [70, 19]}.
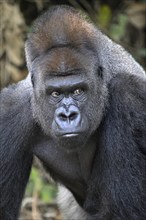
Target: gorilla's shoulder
{"type": "Point", "coordinates": [130, 86]}
{"type": "Point", "coordinates": [15, 95]}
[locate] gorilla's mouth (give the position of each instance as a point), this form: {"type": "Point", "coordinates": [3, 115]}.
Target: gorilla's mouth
{"type": "Point", "coordinates": [70, 134]}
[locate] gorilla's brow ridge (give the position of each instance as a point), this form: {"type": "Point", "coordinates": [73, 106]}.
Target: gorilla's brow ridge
{"type": "Point", "coordinates": [61, 46]}
{"type": "Point", "coordinates": [66, 73]}
{"type": "Point", "coordinates": [54, 47]}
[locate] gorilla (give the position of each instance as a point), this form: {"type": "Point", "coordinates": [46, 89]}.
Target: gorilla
{"type": "Point", "coordinates": [82, 112]}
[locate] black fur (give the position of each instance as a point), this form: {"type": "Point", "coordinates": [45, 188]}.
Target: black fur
{"type": "Point", "coordinates": [118, 181]}
{"type": "Point", "coordinates": [16, 126]}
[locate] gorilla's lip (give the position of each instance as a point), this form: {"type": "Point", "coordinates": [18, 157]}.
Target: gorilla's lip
{"type": "Point", "coordinates": [70, 134]}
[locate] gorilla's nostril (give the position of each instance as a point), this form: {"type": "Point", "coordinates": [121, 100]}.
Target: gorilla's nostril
{"type": "Point", "coordinates": [63, 117]}
{"type": "Point", "coordinates": [70, 115]}
{"type": "Point", "coordinates": [73, 116]}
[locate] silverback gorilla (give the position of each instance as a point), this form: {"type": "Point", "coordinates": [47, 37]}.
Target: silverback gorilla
{"type": "Point", "coordinates": [82, 112]}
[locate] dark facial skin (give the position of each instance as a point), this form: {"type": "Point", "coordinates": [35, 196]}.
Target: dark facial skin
{"type": "Point", "coordinates": [68, 96]}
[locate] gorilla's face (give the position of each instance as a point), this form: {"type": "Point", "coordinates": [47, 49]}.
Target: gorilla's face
{"type": "Point", "coordinates": [69, 95]}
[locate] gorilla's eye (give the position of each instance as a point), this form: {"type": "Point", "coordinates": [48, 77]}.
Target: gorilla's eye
{"type": "Point", "coordinates": [55, 94]}
{"type": "Point", "coordinates": [78, 91]}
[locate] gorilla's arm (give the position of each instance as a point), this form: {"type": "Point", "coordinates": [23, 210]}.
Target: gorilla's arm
{"type": "Point", "coordinates": [117, 184]}
{"type": "Point", "coordinates": [16, 126]}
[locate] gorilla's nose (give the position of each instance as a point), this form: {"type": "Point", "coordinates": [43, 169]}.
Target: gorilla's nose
{"type": "Point", "coordinates": [68, 117]}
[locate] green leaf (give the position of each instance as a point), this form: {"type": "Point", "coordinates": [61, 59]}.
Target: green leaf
{"type": "Point", "coordinates": [104, 16]}
{"type": "Point", "coordinates": [48, 193]}
{"type": "Point", "coordinates": [117, 31]}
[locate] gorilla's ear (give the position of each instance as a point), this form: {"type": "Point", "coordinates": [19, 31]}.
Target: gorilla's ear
{"type": "Point", "coordinates": [32, 78]}
{"type": "Point", "coordinates": [100, 72]}
{"type": "Point", "coordinates": [119, 166]}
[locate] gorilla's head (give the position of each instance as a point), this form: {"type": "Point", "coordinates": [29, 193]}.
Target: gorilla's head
{"type": "Point", "coordinates": [69, 87]}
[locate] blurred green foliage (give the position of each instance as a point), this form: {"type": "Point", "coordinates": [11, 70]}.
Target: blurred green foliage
{"type": "Point", "coordinates": [117, 28]}
{"type": "Point", "coordinates": [104, 16]}
{"type": "Point", "coordinates": [117, 31]}
{"type": "Point", "coordinates": [46, 192]}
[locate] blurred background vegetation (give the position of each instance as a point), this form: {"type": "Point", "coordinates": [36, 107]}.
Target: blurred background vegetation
{"type": "Point", "coordinates": [124, 21]}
